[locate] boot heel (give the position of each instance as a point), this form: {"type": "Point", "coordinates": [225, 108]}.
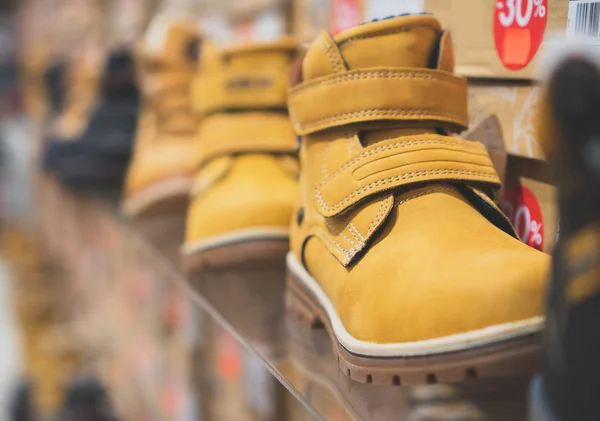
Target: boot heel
{"type": "Point", "coordinates": [299, 304]}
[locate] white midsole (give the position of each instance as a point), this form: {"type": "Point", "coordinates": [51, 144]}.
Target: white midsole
{"type": "Point", "coordinates": [457, 342]}
{"type": "Point", "coordinates": [240, 236]}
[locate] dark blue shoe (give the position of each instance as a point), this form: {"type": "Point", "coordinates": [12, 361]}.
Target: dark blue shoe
{"type": "Point", "coordinates": [98, 158]}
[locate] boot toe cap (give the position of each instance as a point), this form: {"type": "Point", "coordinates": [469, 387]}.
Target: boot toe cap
{"type": "Point", "coordinates": [243, 201]}
{"type": "Point", "coordinates": [504, 293]}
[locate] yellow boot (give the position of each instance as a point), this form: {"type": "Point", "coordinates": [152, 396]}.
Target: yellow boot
{"type": "Point", "coordinates": [245, 188]}
{"type": "Point", "coordinates": [83, 77]}
{"type": "Point", "coordinates": [397, 246]}
{"type": "Point", "coordinates": [35, 61]}
{"type": "Point", "coordinates": [163, 164]}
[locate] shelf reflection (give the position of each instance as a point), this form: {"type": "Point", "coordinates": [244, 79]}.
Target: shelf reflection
{"type": "Point", "coordinates": [250, 303]}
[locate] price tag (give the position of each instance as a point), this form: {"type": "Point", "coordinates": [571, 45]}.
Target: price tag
{"type": "Point", "coordinates": [523, 209]}
{"type": "Point", "coordinates": [519, 27]}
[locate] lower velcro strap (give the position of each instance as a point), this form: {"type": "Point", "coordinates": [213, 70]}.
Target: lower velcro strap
{"type": "Point", "coordinates": [403, 161]}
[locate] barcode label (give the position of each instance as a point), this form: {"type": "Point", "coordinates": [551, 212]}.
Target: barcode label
{"type": "Point", "coordinates": [584, 19]}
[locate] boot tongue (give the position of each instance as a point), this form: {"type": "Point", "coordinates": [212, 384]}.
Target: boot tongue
{"type": "Point", "coordinates": [405, 41]}
{"type": "Point", "coordinates": [172, 40]}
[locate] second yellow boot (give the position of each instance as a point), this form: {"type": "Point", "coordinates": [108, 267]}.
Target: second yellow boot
{"type": "Point", "coordinates": [163, 164]}
{"type": "Point", "coordinates": [245, 188]}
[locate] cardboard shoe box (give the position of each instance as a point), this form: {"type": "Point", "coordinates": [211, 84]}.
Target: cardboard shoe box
{"type": "Point", "coordinates": [528, 195]}
{"type": "Point", "coordinates": [529, 201]}
{"type": "Point", "coordinates": [515, 106]}
{"type": "Point", "coordinates": [494, 38]}
{"type": "Point", "coordinates": [497, 39]}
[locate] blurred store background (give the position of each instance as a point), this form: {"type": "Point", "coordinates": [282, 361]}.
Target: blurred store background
{"type": "Point", "coordinates": [60, 354]}
{"type": "Point", "coordinates": [94, 321]}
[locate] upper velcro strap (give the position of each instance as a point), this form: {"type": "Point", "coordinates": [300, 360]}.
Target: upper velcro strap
{"type": "Point", "coordinates": [379, 94]}
{"type": "Point", "coordinates": [247, 89]}
{"type": "Point", "coordinates": [402, 161]}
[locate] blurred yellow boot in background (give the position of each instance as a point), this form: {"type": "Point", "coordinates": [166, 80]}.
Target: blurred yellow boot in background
{"type": "Point", "coordinates": [245, 187]}
{"type": "Point", "coordinates": [163, 163]}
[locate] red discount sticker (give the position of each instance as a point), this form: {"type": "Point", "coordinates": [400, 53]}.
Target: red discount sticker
{"type": "Point", "coordinates": [523, 209]}
{"type": "Point", "coordinates": [519, 27]}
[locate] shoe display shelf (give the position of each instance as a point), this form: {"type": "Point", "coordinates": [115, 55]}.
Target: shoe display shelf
{"type": "Point", "coordinates": [161, 354]}
{"type": "Point", "coordinates": [220, 346]}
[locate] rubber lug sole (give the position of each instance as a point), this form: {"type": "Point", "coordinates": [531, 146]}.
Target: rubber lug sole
{"type": "Point", "coordinates": [256, 253]}
{"type": "Point", "coordinates": [166, 197]}
{"type": "Point", "coordinates": [514, 357]}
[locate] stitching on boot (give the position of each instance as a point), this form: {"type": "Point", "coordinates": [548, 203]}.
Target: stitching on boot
{"type": "Point", "coordinates": [405, 28]}
{"type": "Point", "coordinates": [380, 75]}
{"type": "Point", "coordinates": [378, 216]}
{"type": "Point", "coordinates": [349, 116]}
{"type": "Point", "coordinates": [389, 180]}
{"type": "Point", "coordinates": [476, 146]}
{"type": "Point", "coordinates": [334, 60]}
{"type": "Point", "coordinates": [331, 239]}
{"type": "Point", "coordinates": [424, 192]}
{"type": "Point", "coordinates": [350, 134]}
{"type": "Point", "coordinates": [340, 233]}
{"type": "Point", "coordinates": [353, 230]}
{"type": "Point", "coordinates": [350, 146]}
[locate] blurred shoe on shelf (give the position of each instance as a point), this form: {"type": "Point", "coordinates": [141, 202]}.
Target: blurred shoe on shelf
{"type": "Point", "coordinates": [54, 84]}
{"type": "Point", "coordinates": [91, 140]}
{"type": "Point", "coordinates": [22, 403]}
{"type": "Point", "coordinates": [73, 88]}
{"type": "Point", "coordinates": [570, 133]}
{"type": "Point", "coordinates": [86, 398]}
{"type": "Point", "coordinates": [38, 75]}
{"type": "Point", "coordinates": [245, 187]}
{"type": "Point", "coordinates": [397, 247]}
{"type": "Point", "coordinates": [163, 163]}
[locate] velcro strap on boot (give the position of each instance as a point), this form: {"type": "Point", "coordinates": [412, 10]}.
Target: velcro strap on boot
{"type": "Point", "coordinates": [403, 161]}
{"type": "Point", "coordinates": [379, 94]}
{"type": "Point", "coordinates": [251, 77]}
{"type": "Point", "coordinates": [236, 91]}
{"type": "Point", "coordinates": [227, 134]}
{"type": "Point", "coordinates": [240, 90]}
